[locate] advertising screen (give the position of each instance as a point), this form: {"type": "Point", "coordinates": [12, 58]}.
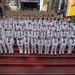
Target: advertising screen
{"type": "Point", "coordinates": [71, 8]}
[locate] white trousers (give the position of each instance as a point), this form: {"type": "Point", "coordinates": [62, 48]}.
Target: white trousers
{"type": "Point", "coordinates": [54, 48]}
{"type": "Point", "coordinates": [70, 48]}
{"type": "Point", "coordinates": [62, 49]}
{"type": "Point", "coordinates": [33, 48]}
{"type": "Point", "coordinates": [40, 48]}
{"type": "Point", "coordinates": [27, 48]}
{"type": "Point", "coordinates": [20, 49]}
{"type": "Point", "coordinates": [46, 49]}
{"type": "Point", "coordinates": [1, 50]}
{"type": "Point", "coordinates": [4, 47]}
{"type": "Point", "coordinates": [10, 48]}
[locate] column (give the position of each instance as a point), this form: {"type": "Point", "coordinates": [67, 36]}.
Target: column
{"type": "Point", "coordinates": [50, 4]}
{"type": "Point", "coordinates": [19, 5]}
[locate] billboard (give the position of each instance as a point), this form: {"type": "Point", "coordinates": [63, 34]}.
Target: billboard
{"type": "Point", "coordinates": [71, 8]}
{"type": "Point", "coordinates": [29, 0]}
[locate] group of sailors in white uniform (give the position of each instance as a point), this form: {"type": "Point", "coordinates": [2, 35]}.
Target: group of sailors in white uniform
{"type": "Point", "coordinates": [37, 36]}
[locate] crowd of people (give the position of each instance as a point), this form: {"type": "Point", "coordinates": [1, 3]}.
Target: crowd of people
{"type": "Point", "coordinates": [31, 14]}
{"type": "Point", "coordinates": [43, 31]}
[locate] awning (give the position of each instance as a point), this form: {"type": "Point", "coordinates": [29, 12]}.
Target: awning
{"type": "Point", "coordinates": [29, 0]}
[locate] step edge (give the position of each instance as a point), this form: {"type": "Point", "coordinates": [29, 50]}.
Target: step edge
{"type": "Point", "coordinates": [37, 64]}
{"type": "Point", "coordinates": [39, 73]}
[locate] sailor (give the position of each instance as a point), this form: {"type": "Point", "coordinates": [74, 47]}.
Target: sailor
{"type": "Point", "coordinates": [50, 33]}
{"type": "Point", "coordinates": [40, 45]}
{"type": "Point", "coordinates": [33, 44]}
{"type": "Point", "coordinates": [54, 45]}
{"type": "Point", "coordinates": [47, 45]}
{"type": "Point", "coordinates": [73, 33]}
{"type": "Point", "coordinates": [20, 44]}
{"type": "Point", "coordinates": [17, 33]}
{"type": "Point", "coordinates": [71, 44]}
{"type": "Point", "coordinates": [10, 42]}
{"type": "Point", "coordinates": [2, 43]}
{"type": "Point", "coordinates": [63, 43]}
{"type": "Point", "coordinates": [26, 44]}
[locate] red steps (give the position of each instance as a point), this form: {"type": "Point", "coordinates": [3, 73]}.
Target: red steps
{"type": "Point", "coordinates": [38, 70]}
{"type": "Point", "coordinates": [37, 64]}
{"type": "Point", "coordinates": [17, 55]}
{"type": "Point", "coordinates": [34, 64]}
{"type": "Point", "coordinates": [36, 74]}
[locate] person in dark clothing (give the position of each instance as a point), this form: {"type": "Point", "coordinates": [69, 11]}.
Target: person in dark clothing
{"type": "Point", "coordinates": [62, 9]}
{"type": "Point", "coordinates": [1, 12]}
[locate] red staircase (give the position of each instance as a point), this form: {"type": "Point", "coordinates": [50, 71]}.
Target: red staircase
{"type": "Point", "coordinates": [35, 64]}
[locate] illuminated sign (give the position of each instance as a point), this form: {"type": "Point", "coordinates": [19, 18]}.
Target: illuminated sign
{"type": "Point", "coordinates": [13, 2]}
{"type": "Point", "coordinates": [71, 8]}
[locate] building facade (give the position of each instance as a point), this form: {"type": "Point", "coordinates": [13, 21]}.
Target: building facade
{"type": "Point", "coordinates": [43, 5]}
{"type": "Point", "coordinates": [56, 4]}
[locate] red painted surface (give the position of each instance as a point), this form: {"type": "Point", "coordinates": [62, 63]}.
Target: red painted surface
{"type": "Point", "coordinates": [32, 64]}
